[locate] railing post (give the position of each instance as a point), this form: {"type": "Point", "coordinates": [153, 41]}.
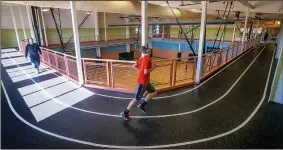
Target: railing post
{"type": "Point", "coordinates": [112, 75]}
{"type": "Point", "coordinates": [227, 54]}
{"type": "Point", "coordinates": [56, 60]}
{"type": "Point", "coordinates": [67, 66]}
{"type": "Point", "coordinates": [234, 52]}
{"type": "Point", "coordinates": [239, 45]}
{"type": "Point", "coordinates": [85, 74]}
{"type": "Point", "coordinates": [220, 58]}
{"type": "Point", "coordinates": [49, 62]}
{"type": "Point", "coordinates": [173, 72]}
{"type": "Point", "coordinates": [42, 57]}
{"type": "Point", "coordinates": [210, 66]}
{"type": "Point", "coordinates": [108, 73]}
{"type": "Point", "coordinates": [194, 69]}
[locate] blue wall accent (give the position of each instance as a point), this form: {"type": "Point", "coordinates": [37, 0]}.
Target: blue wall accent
{"type": "Point", "coordinates": [165, 45]}
{"type": "Point", "coordinates": [174, 45]}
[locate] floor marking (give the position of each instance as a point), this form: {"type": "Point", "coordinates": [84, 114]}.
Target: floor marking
{"type": "Point", "coordinates": [37, 114]}
{"type": "Point", "coordinates": [155, 146]}
{"type": "Point", "coordinates": [174, 95]}
{"type": "Point", "coordinates": [156, 116]}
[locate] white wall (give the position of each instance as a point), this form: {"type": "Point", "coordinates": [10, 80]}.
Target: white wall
{"type": "Point", "coordinates": [7, 22]}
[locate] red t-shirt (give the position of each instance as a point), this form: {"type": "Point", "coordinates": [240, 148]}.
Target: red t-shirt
{"type": "Point", "coordinates": [143, 63]}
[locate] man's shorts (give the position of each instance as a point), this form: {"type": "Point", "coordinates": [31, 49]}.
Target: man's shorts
{"type": "Point", "coordinates": [141, 90]}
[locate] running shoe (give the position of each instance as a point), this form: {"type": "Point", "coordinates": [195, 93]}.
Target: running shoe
{"type": "Point", "coordinates": [142, 108]}
{"type": "Point", "coordinates": [125, 116]}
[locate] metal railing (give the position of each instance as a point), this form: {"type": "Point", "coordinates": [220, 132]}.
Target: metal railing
{"type": "Point", "coordinates": [180, 37]}
{"type": "Point", "coordinates": [63, 63]}
{"type": "Point", "coordinates": [92, 39]}
{"type": "Point", "coordinates": [170, 73]}
{"type": "Point", "coordinates": [120, 76]}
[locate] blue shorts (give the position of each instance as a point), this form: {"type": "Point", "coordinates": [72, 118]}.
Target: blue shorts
{"type": "Point", "coordinates": [141, 90]}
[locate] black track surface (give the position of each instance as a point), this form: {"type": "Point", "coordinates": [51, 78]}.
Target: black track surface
{"type": "Point", "coordinates": [265, 129]}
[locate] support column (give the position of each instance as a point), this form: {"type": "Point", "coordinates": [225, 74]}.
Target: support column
{"type": "Point", "coordinates": [30, 23]}
{"type": "Point", "coordinates": [23, 26]}
{"type": "Point", "coordinates": [277, 81]}
{"type": "Point", "coordinates": [98, 52]}
{"type": "Point", "coordinates": [96, 26]}
{"type": "Point", "coordinates": [44, 29]}
{"type": "Point", "coordinates": [77, 42]}
{"type": "Point", "coordinates": [128, 47]}
{"type": "Point", "coordinates": [244, 32]}
{"type": "Point", "coordinates": [223, 37]}
{"type": "Point", "coordinates": [15, 26]}
{"type": "Point", "coordinates": [144, 25]}
{"type": "Point", "coordinates": [39, 26]}
{"type": "Point", "coordinates": [105, 30]}
{"type": "Point", "coordinates": [233, 37]}
{"type": "Point", "coordinates": [150, 31]}
{"type": "Point", "coordinates": [201, 40]}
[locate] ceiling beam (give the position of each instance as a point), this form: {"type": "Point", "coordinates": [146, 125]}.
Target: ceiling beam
{"type": "Point", "coordinates": [121, 7]}
{"type": "Point", "coordinates": [246, 4]}
{"type": "Point", "coordinates": [189, 22]}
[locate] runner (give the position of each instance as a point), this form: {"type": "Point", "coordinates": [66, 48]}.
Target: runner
{"type": "Point", "coordinates": [33, 50]}
{"type": "Point", "coordinates": [265, 37]}
{"type": "Point", "coordinates": [144, 87]}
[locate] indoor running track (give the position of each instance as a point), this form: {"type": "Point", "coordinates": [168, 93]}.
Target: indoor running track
{"type": "Point", "coordinates": [69, 116]}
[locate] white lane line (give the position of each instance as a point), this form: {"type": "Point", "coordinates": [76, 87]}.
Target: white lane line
{"type": "Point", "coordinates": [174, 95]}
{"type": "Point", "coordinates": [157, 116]}
{"type": "Point", "coordinates": [154, 146]}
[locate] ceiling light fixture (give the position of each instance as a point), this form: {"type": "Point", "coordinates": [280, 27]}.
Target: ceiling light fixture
{"type": "Point", "coordinates": [194, 10]}
{"type": "Point", "coordinates": [45, 9]}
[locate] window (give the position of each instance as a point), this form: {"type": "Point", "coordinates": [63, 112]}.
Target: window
{"type": "Point", "coordinates": [157, 29]}
{"type": "Point", "coordinates": [137, 30]}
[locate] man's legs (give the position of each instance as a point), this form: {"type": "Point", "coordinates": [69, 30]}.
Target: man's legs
{"type": "Point", "coordinates": [134, 102]}
{"type": "Point", "coordinates": [151, 93]}
{"type": "Point", "coordinates": [37, 61]}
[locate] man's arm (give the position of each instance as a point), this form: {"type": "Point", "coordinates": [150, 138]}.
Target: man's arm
{"type": "Point", "coordinates": [135, 66]}
{"type": "Point", "coordinates": [146, 71]}
{"type": "Point", "coordinates": [39, 50]}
